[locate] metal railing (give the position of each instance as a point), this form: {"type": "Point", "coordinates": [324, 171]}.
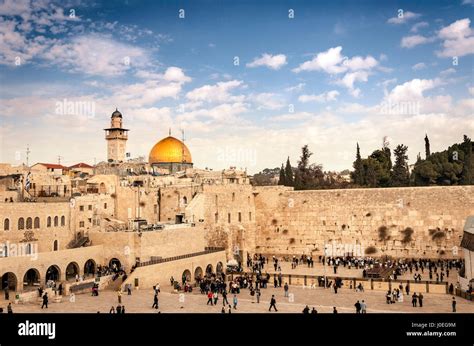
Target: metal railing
{"type": "Point", "coordinates": [207, 250]}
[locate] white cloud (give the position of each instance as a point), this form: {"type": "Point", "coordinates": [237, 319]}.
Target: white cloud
{"type": "Point", "coordinates": [471, 90]}
{"type": "Point", "coordinates": [267, 101]}
{"type": "Point", "coordinates": [350, 78]}
{"type": "Point", "coordinates": [219, 92]}
{"type": "Point", "coordinates": [297, 87]}
{"type": "Point", "coordinates": [415, 40]}
{"type": "Point", "coordinates": [403, 17]}
{"type": "Point", "coordinates": [324, 97]}
{"type": "Point", "coordinates": [419, 26]}
{"type": "Point", "coordinates": [329, 61]}
{"type": "Point", "coordinates": [458, 39]}
{"type": "Point", "coordinates": [419, 66]}
{"type": "Point", "coordinates": [447, 72]}
{"type": "Point", "coordinates": [275, 62]}
{"type": "Point", "coordinates": [96, 55]}
{"type": "Point", "coordinates": [412, 90]}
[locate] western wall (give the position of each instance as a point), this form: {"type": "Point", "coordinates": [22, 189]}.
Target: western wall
{"type": "Point", "coordinates": [303, 222]}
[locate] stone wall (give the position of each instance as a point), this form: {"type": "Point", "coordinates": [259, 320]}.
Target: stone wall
{"type": "Point", "coordinates": [297, 222]}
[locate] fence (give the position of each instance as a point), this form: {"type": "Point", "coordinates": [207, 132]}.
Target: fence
{"type": "Point", "coordinates": [207, 250]}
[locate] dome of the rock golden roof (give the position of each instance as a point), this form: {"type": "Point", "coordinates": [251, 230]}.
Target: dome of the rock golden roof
{"type": "Point", "coordinates": [170, 150]}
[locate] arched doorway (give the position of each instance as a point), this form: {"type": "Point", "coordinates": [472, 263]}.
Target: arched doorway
{"type": "Point", "coordinates": [31, 279]}
{"type": "Point", "coordinates": [89, 268]}
{"type": "Point", "coordinates": [186, 277]}
{"type": "Point", "coordinates": [53, 273]}
{"type": "Point", "coordinates": [102, 189]}
{"type": "Point", "coordinates": [72, 270]}
{"type": "Point", "coordinates": [219, 268]}
{"type": "Point", "coordinates": [9, 281]}
{"type": "Point", "coordinates": [55, 245]}
{"type": "Point", "coordinates": [198, 274]}
{"type": "Point", "coordinates": [115, 264]}
{"type": "Point", "coordinates": [209, 270]}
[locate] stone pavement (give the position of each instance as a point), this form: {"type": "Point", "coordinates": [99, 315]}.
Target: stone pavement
{"type": "Point", "coordinates": [322, 299]}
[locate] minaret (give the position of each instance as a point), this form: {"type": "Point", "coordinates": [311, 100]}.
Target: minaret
{"type": "Point", "coordinates": [116, 137]}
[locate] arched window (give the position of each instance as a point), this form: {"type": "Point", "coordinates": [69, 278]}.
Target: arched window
{"type": "Point", "coordinates": [48, 222]}
{"type": "Point", "coordinates": [29, 223]}
{"type": "Point", "coordinates": [63, 220]}
{"type": "Point", "coordinates": [21, 223]}
{"type": "Point", "coordinates": [55, 245]}
{"type": "Point", "coordinates": [6, 225]}
{"type": "Point", "coordinates": [56, 221]}
{"type": "Point", "coordinates": [37, 222]}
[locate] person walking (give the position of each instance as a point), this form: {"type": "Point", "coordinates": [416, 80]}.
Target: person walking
{"type": "Point", "coordinates": [215, 296]}
{"type": "Point", "coordinates": [272, 303]}
{"type": "Point", "coordinates": [363, 307]}
{"type": "Point", "coordinates": [420, 300]}
{"type": "Point", "coordinates": [358, 307]}
{"type": "Point", "coordinates": [155, 301]}
{"type": "Point", "coordinates": [209, 298]}
{"type": "Point", "coordinates": [453, 304]}
{"type": "Point", "coordinates": [224, 298]}
{"type": "Point", "coordinates": [235, 301]}
{"type": "Point", "coordinates": [414, 299]}
{"type": "Point", "coordinates": [9, 308]}
{"type": "Point", "coordinates": [45, 300]}
{"type": "Point", "coordinates": [119, 296]}
{"type": "Point", "coordinates": [258, 294]}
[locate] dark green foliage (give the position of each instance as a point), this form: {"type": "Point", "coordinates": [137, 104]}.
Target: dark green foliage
{"type": "Point", "coordinates": [370, 250]}
{"type": "Point", "coordinates": [383, 233]}
{"type": "Point", "coordinates": [400, 174]}
{"type": "Point", "coordinates": [358, 174]}
{"type": "Point", "coordinates": [407, 235]}
{"type": "Point", "coordinates": [282, 179]}
{"type": "Point", "coordinates": [289, 179]}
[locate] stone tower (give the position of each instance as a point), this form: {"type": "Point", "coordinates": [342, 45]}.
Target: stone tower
{"type": "Point", "coordinates": [116, 137]}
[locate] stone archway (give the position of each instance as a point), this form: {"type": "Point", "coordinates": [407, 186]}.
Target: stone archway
{"type": "Point", "coordinates": [72, 270]}
{"type": "Point", "coordinates": [198, 274]}
{"type": "Point", "coordinates": [9, 281]}
{"type": "Point", "coordinates": [53, 273]}
{"type": "Point", "coordinates": [116, 262]}
{"type": "Point", "coordinates": [209, 270]}
{"type": "Point", "coordinates": [31, 279]}
{"type": "Point", "coordinates": [90, 268]}
{"type": "Point", "coordinates": [186, 277]}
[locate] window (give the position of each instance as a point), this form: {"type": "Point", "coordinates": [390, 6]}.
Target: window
{"type": "Point", "coordinates": [90, 220]}
{"type": "Point", "coordinates": [233, 196]}
{"type": "Point", "coordinates": [37, 222]}
{"type": "Point", "coordinates": [56, 221]}
{"type": "Point", "coordinates": [90, 207]}
{"type": "Point", "coordinates": [55, 245]}
{"type": "Point", "coordinates": [228, 218]}
{"type": "Point", "coordinates": [21, 223]}
{"type": "Point", "coordinates": [250, 216]}
{"type": "Point", "coordinates": [216, 215]}
{"type": "Point", "coordinates": [105, 205]}
{"type": "Point", "coordinates": [63, 220]}
{"type": "Point", "coordinates": [29, 223]}
{"type": "Point", "coordinates": [6, 225]}
{"type": "Point", "coordinates": [48, 222]}
{"type": "Point", "coordinates": [81, 208]}
{"type": "Point", "coordinates": [81, 224]}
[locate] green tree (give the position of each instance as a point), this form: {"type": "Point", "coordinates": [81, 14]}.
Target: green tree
{"type": "Point", "coordinates": [400, 175]}
{"type": "Point", "coordinates": [289, 179]}
{"type": "Point", "coordinates": [467, 173]}
{"type": "Point", "coordinates": [383, 174]}
{"type": "Point", "coordinates": [427, 147]}
{"type": "Point", "coordinates": [282, 179]}
{"type": "Point", "coordinates": [358, 174]}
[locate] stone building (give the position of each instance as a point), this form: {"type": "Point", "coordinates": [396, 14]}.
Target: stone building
{"type": "Point", "coordinates": [169, 218]}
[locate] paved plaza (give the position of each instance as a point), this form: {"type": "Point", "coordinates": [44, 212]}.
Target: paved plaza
{"type": "Point", "coordinates": [323, 299]}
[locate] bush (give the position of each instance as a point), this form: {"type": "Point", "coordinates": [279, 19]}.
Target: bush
{"type": "Point", "coordinates": [407, 235]}
{"type": "Point", "coordinates": [383, 233]}
{"type": "Point", "coordinates": [292, 240]}
{"type": "Point", "coordinates": [370, 250]}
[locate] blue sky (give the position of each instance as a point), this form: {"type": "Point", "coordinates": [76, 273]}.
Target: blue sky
{"type": "Point", "coordinates": [337, 73]}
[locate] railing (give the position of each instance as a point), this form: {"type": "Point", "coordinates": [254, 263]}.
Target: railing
{"type": "Point", "coordinates": [207, 250]}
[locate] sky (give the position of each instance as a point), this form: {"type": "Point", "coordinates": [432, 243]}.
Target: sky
{"type": "Point", "coordinates": [248, 82]}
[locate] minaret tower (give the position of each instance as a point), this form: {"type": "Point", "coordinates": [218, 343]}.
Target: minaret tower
{"type": "Point", "coordinates": [116, 137]}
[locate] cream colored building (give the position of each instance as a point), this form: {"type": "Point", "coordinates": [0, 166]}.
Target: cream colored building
{"type": "Point", "coordinates": [134, 213]}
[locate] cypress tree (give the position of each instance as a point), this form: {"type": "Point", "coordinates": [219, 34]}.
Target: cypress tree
{"type": "Point", "coordinates": [289, 174]}
{"type": "Point", "coordinates": [282, 180]}
{"type": "Point", "coordinates": [400, 175]}
{"type": "Point", "coordinates": [467, 174]}
{"type": "Point", "coordinates": [427, 147]}
{"type": "Point", "coordinates": [358, 174]}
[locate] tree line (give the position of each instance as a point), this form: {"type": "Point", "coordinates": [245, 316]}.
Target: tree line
{"type": "Point", "coordinates": [453, 166]}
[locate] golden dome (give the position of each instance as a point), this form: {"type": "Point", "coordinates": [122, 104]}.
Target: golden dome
{"type": "Point", "coordinates": [170, 150]}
